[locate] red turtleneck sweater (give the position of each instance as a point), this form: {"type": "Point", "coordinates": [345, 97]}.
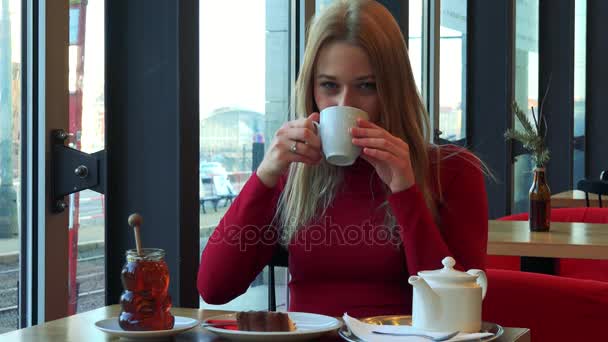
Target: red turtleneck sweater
{"type": "Point", "coordinates": [345, 261]}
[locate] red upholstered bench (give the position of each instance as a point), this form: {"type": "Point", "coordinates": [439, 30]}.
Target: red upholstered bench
{"type": "Point", "coordinates": [574, 268]}
{"type": "Point", "coordinates": [553, 308]}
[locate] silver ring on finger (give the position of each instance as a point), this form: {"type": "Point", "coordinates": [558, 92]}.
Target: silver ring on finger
{"type": "Point", "coordinates": [294, 147]}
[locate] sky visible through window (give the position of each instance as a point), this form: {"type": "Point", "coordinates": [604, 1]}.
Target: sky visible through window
{"type": "Point", "coordinates": [232, 55]}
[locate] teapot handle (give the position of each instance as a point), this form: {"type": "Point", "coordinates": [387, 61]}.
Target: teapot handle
{"type": "Point", "coordinates": [482, 280]}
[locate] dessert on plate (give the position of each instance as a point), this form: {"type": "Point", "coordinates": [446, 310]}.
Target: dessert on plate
{"type": "Point", "coordinates": [264, 321]}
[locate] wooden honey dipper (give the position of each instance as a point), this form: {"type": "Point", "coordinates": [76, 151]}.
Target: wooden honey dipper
{"type": "Point", "coordinates": [135, 221]}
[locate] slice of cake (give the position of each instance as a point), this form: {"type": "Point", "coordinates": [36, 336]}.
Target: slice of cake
{"type": "Point", "coordinates": [264, 321]}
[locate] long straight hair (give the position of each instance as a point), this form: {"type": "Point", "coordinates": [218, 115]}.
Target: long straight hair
{"type": "Point", "coordinates": [309, 190]}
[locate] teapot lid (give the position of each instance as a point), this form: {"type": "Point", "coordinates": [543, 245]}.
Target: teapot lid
{"type": "Point", "coordinates": [448, 273]}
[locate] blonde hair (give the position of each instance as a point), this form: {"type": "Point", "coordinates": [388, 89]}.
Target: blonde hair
{"type": "Point", "coordinates": [309, 190]}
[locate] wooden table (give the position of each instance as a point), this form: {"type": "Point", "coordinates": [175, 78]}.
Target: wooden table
{"type": "Point", "coordinates": [81, 327]}
{"type": "Point", "coordinates": [573, 199]}
{"type": "Point", "coordinates": [564, 240]}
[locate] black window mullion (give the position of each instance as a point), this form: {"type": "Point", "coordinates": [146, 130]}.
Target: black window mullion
{"type": "Point", "coordinates": [556, 80]}
{"type": "Point", "coordinates": [596, 145]}
{"type": "Point", "coordinates": [188, 140]}
{"type": "Point", "coordinates": [404, 20]}
{"type": "Point", "coordinates": [152, 137]}
{"type": "Point", "coordinates": [28, 274]}
{"type": "Point", "coordinates": [490, 92]}
{"type": "Point", "coordinates": [400, 11]}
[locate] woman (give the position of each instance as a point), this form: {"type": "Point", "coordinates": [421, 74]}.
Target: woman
{"type": "Point", "coordinates": [354, 234]}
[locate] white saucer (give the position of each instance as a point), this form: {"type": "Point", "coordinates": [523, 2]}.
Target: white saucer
{"type": "Point", "coordinates": [308, 326]}
{"type": "Point", "coordinates": [110, 326]}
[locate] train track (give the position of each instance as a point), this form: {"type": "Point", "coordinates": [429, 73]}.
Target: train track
{"type": "Point", "coordinates": [80, 295]}
{"type": "Point", "coordinates": [91, 289]}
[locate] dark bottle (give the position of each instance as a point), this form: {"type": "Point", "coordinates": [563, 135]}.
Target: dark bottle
{"type": "Point", "coordinates": [540, 202]}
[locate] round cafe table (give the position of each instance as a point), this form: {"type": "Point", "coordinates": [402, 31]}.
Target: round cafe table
{"type": "Point", "coordinates": [81, 327]}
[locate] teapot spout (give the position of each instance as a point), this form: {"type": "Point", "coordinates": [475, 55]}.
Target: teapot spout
{"type": "Point", "coordinates": [425, 303]}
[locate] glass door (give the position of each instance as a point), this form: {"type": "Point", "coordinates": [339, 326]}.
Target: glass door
{"type": "Point", "coordinates": [11, 175]}
{"type": "Point", "coordinates": [48, 240]}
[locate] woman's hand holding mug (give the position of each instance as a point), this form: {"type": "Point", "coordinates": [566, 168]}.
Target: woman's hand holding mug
{"type": "Point", "coordinates": [295, 141]}
{"type": "Point", "coordinates": [389, 155]}
{"type": "Point", "coordinates": [345, 131]}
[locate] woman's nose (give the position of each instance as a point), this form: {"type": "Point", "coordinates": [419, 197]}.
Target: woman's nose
{"type": "Point", "coordinates": [347, 98]}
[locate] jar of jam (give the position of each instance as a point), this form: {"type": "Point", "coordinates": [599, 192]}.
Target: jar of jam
{"type": "Point", "coordinates": [145, 302]}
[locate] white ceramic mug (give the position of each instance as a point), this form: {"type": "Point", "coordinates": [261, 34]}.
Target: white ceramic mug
{"type": "Point", "coordinates": [335, 136]}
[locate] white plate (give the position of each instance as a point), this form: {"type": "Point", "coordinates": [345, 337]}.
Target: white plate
{"type": "Point", "coordinates": [111, 327]}
{"type": "Point", "coordinates": [347, 335]}
{"type": "Point", "coordinates": [308, 326]}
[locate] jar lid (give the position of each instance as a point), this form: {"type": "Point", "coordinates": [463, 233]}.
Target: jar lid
{"type": "Point", "coordinates": [147, 254]}
{"type": "Point", "coordinates": [448, 274]}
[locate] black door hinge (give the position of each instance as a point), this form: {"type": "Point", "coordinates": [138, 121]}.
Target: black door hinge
{"type": "Point", "coordinates": [73, 170]}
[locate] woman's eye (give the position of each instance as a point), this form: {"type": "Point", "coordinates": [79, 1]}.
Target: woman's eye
{"type": "Point", "coordinates": [368, 85]}
{"type": "Point", "coordinates": [329, 85]}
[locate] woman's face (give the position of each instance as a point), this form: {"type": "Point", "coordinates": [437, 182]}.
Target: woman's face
{"type": "Point", "coordinates": [344, 77]}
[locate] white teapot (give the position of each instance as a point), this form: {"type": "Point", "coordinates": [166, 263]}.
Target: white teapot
{"type": "Point", "coordinates": [448, 299]}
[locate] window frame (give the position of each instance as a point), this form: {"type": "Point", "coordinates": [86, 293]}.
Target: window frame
{"type": "Point", "coordinates": [596, 119]}
{"type": "Point", "coordinates": [166, 193]}
{"type": "Point", "coordinates": [556, 80]}
{"type": "Point", "coordinates": [489, 98]}
{"type": "Point", "coordinates": [43, 295]}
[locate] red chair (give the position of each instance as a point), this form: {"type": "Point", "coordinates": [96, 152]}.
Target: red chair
{"type": "Point", "coordinates": [553, 308]}
{"type": "Point", "coordinates": [573, 268]}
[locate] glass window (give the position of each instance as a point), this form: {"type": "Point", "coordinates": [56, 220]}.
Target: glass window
{"type": "Point", "coordinates": [244, 89]}
{"type": "Point", "coordinates": [87, 133]}
{"type": "Point", "coordinates": [321, 4]}
{"type": "Point", "coordinates": [453, 69]}
{"type": "Point", "coordinates": [526, 90]}
{"type": "Point", "coordinates": [10, 163]}
{"type": "Point", "coordinates": [580, 80]}
{"type": "Point", "coordinates": [415, 40]}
